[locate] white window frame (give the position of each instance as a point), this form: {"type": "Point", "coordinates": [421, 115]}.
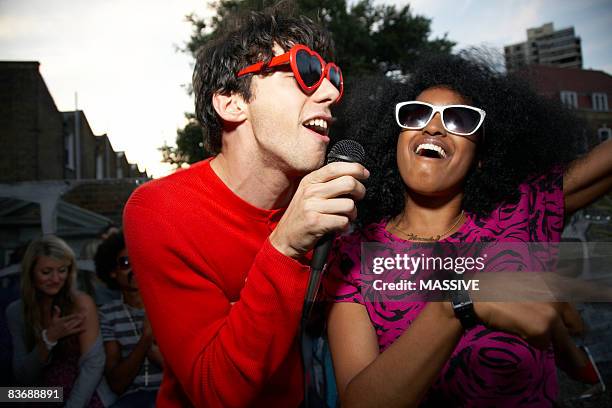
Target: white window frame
{"type": "Point", "coordinates": [604, 133]}
{"type": "Point", "coordinates": [120, 156]}
{"type": "Point", "coordinates": [99, 166]}
{"type": "Point", "coordinates": [69, 148]}
{"type": "Point", "coordinates": [569, 99]}
{"type": "Point", "coordinates": [600, 101]}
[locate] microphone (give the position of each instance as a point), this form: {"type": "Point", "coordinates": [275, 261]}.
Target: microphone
{"type": "Point", "coordinates": [348, 151]}
{"type": "Point", "coordinates": [345, 151]}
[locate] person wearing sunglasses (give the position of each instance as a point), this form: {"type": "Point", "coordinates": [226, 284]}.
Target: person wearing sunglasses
{"type": "Point", "coordinates": [220, 250]}
{"type": "Point", "coordinates": [133, 362]}
{"type": "Point", "coordinates": [461, 154]}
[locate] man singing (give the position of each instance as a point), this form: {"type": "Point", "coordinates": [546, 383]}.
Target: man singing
{"type": "Point", "coordinates": [220, 249]}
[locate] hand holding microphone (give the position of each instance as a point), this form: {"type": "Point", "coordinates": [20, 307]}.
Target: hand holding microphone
{"type": "Point", "coordinates": [324, 202]}
{"type": "Point", "coordinates": [345, 151]}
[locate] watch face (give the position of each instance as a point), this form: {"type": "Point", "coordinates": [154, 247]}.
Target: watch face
{"type": "Point", "coordinates": [464, 309]}
{"type": "Point", "coordinates": [460, 297]}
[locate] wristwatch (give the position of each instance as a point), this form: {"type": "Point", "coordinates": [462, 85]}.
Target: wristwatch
{"type": "Point", "coordinates": [45, 340]}
{"type": "Point", "coordinates": [464, 308]}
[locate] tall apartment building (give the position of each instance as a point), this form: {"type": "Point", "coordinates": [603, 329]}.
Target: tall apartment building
{"type": "Point", "coordinates": [545, 46]}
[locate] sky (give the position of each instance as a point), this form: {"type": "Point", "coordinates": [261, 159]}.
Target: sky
{"type": "Point", "coordinates": [121, 58]}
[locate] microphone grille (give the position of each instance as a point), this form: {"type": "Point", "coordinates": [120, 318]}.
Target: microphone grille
{"type": "Point", "coordinates": [346, 150]}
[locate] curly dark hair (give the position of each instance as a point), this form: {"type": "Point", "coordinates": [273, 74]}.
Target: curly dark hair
{"type": "Point", "coordinates": [525, 134]}
{"type": "Point", "coordinates": [106, 258]}
{"type": "Point", "coordinates": [249, 39]}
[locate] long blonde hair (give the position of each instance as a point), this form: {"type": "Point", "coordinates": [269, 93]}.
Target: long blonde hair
{"type": "Point", "coordinates": [56, 248]}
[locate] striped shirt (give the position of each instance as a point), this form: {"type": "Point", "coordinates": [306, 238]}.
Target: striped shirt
{"type": "Point", "coordinates": [115, 325]}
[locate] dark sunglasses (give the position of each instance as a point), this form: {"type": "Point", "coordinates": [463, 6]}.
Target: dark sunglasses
{"type": "Point", "coordinates": [307, 66]}
{"type": "Point", "coordinates": [462, 120]}
{"type": "Point", "coordinates": [123, 263]}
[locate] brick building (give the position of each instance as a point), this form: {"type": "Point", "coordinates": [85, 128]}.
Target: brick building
{"type": "Point", "coordinates": [79, 147]}
{"type": "Point", "coordinates": [586, 91]}
{"type": "Point", "coordinates": [31, 127]}
{"type": "Point", "coordinates": [56, 175]}
{"type": "Point", "coordinates": [38, 142]}
{"type": "Point", "coordinates": [106, 158]}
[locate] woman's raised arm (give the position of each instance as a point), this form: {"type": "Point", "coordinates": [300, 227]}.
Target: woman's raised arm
{"type": "Point", "coordinates": [588, 177]}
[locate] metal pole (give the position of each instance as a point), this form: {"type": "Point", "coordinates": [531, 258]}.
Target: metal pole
{"type": "Point", "coordinates": [77, 135]}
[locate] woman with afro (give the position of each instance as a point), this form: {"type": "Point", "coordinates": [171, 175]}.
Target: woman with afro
{"type": "Point", "coordinates": [458, 154]}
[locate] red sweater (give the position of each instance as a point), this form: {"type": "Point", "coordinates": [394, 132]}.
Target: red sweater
{"type": "Point", "coordinates": [224, 304]}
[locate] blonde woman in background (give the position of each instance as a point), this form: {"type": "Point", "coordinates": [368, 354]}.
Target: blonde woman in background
{"type": "Point", "coordinates": [54, 327]}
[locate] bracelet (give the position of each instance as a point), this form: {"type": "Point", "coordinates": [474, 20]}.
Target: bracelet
{"type": "Point", "coordinates": [48, 343]}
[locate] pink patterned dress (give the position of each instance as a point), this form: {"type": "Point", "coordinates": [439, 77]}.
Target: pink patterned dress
{"type": "Point", "coordinates": [487, 368]}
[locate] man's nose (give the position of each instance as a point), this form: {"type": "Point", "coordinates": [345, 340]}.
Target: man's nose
{"type": "Point", "coordinates": [326, 93]}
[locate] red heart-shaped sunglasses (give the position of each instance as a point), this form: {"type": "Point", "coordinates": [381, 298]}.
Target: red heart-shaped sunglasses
{"type": "Point", "coordinates": [308, 68]}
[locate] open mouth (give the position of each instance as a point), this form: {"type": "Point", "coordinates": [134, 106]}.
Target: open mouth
{"type": "Point", "coordinates": [430, 150]}
{"type": "Point", "coordinates": [317, 125]}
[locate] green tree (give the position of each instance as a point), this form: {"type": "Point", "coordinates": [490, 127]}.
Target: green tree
{"type": "Point", "coordinates": [370, 39]}
{"type": "Point", "coordinates": [189, 144]}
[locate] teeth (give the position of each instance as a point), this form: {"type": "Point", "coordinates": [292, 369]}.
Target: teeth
{"type": "Point", "coordinates": [322, 123]}
{"type": "Point", "coordinates": [433, 147]}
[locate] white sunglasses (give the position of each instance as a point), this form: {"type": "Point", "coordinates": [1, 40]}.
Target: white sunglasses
{"type": "Point", "coordinates": [462, 120]}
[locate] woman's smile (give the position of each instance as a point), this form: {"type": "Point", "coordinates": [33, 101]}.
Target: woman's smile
{"type": "Point", "coordinates": [432, 160]}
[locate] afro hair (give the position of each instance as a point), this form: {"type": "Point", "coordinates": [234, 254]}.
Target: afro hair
{"type": "Point", "coordinates": [106, 258]}
{"type": "Point", "coordinates": [525, 134]}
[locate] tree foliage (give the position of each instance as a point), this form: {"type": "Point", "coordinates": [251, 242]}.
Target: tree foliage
{"type": "Point", "coordinates": [370, 39]}
{"type": "Point", "coordinates": [189, 144]}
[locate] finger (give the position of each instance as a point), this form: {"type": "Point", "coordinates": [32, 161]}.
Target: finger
{"type": "Point", "coordinates": [332, 223]}
{"type": "Point", "coordinates": [56, 312]}
{"type": "Point", "coordinates": [341, 186]}
{"type": "Point", "coordinates": [70, 322]}
{"type": "Point", "coordinates": [72, 317]}
{"type": "Point", "coordinates": [72, 325]}
{"type": "Point", "coordinates": [335, 170]}
{"type": "Point", "coordinates": [75, 330]}
{"type": "Point", "coordinates": [338, 206]}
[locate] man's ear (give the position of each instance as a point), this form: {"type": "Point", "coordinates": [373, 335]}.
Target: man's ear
{"type": "Point", "coordinates": [231, 108]}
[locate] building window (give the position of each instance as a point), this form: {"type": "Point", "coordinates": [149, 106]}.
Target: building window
{"type": "Point", "coordinates": [604, 133]}
{"type": "Point", "coordinates": [99, 166]}
{"type": "Point", "coordinates": [120, 159]}
{"type": "Point", "coordinates": [569, 99]}
{"type": "Point", "coordinates": [69, 151]}
{"type": "Point", "coordinates": [600, 101]}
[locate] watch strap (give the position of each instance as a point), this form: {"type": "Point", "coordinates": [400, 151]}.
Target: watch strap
{"type": "Point", "coordinates": [463, 307]}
